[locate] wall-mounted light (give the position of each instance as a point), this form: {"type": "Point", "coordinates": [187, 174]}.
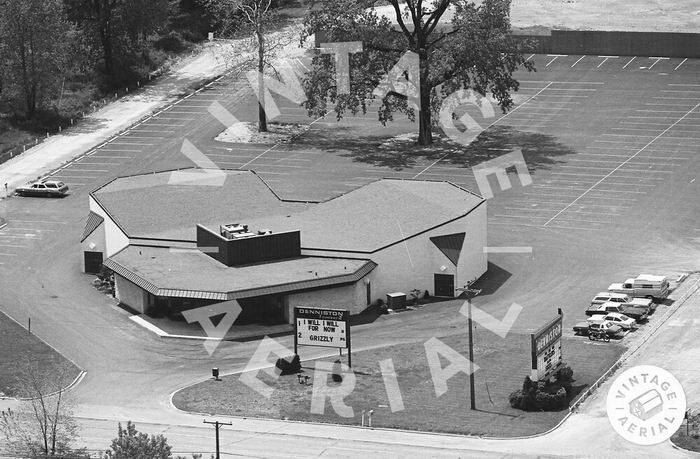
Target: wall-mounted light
{"type": "Point", "coordinates": [443, 268]}
{"type": "Point", "coordinates": [92, 246]}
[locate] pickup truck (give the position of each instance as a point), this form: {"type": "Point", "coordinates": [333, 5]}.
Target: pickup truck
{"type": "Point", "coordinates": [643, 286]}
{"type": "Point", "coordinates": [638, 313]}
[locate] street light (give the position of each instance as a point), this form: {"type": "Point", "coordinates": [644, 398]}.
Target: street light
{"type": "Point", "coordinates": [471, 293]}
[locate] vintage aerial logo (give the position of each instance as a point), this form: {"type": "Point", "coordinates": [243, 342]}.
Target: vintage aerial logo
{"type": "Point", "coordinates": [646, 405]}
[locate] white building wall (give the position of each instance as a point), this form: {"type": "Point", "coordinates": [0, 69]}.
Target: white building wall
{"type": "Point", "coordinates": [95, 242]}
{"type": "Point", "coordinates": [114, 237]}
{"type": "Point", "coordinates": [130, 294]}
{"type": "Point", "coordinates": [351, 297]}
{"type": "Point", "coordinates": [413, 263]}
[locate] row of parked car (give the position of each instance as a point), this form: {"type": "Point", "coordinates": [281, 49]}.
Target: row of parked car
{"type": "Point", "coordinates": [623, 307]}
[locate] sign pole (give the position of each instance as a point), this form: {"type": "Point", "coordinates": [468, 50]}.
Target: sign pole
{"type": "Point", "coordinates": [472, 395]}
{"type": "Point", "coordinates": [347, 324]}
{"type": "Point", "coordinates": [296, 334]}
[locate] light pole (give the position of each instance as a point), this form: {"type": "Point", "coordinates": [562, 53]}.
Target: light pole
{"type": "Point", "coordinates": [472, 395]}
{"type": "Point", "coordinates": [470, 294]}
{"type": "Point", "coordinates": [217, 425]}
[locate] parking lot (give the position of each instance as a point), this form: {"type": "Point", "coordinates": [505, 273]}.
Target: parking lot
{"type": "Point", "coordinates": [609, 143]}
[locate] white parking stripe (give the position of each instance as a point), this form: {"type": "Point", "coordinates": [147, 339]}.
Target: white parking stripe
{"type": "Point", "coordinates": [579, 60]}
{"type": "Point", "coordinates": [111, 157]}
{"type": "Point", "coordinates": [618, 167]}
{"type": "Point", "coordinates": [679, 65]}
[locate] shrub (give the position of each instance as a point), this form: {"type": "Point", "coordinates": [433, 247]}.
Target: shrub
{"type": "Point", "coordinates": [288, 367]}
{"type": "Point", "coordinates": [538, 396]}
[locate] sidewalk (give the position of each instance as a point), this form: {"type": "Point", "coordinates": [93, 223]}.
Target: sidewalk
{"type": "Point", "coordinates": [115, 117]}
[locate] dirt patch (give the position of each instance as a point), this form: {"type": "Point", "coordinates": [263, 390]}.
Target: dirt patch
{"type": "Point", "coordinates": [248, 133]}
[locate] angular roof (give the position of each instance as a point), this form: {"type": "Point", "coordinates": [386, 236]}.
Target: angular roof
{"type": "Point", "coordinates": [189, 273]}
{"type": "Point", "coordinates": [93, 222]}
{"type": "Point", "coordinates": [165, 205]}
{"type": "Point", "coordinates": [362, 221]}
{"type": "Point", "coordinates": [376, 215]}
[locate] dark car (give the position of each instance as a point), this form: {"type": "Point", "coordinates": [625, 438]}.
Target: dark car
{"type": "Point", "coordinates": [44, 188]}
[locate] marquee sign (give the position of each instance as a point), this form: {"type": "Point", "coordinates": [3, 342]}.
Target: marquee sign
{"type": "Point", "coordinates": [546, 349]}
{"type": "Point", "coordinates": [322, 327]}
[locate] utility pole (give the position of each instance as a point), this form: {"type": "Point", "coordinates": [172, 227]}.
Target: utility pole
{"type": "Point", "coordinates": [217, 425]}
{"type": "Point", "coordinates": [472, 395]}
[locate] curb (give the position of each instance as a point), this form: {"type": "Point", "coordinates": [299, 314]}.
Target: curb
{"type": "Point", "coordinates": [78, 379]}
{"type": "Point", "coordinates": [75, 382]}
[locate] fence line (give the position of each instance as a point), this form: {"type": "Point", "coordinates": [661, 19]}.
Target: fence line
{"type": "Point", "coordinates": [93, 107]}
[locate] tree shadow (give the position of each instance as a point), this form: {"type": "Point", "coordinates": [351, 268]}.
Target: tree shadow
{"type": "Point", "coordinates": [540, 151]}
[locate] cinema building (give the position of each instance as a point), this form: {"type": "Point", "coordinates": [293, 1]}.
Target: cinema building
{"type": "Point", "coordinates": [177, 240]}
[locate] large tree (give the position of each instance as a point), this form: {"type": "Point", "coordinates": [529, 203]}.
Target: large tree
{"type": "Point", "coordinates": [34, 53]}
{"type": "Point", "coordinates": [473, 50]}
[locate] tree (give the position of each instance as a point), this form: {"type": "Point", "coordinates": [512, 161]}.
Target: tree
{"type": "Point", "coordinates": [34, 36]}
{"type": "Point", "coordinates": [474, 50]}
{"type": "Point", "coordinates": [43, 427]}
{"type": "Point", "coordinates": [131, 444]}
{"type": "Point", "coordinates": [258, 20]}
{"type": "Point", "coordinates": [119, 28]}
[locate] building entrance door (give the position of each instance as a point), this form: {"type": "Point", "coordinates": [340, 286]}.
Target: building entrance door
{"type": "Point", "coordinates": [445, 285]}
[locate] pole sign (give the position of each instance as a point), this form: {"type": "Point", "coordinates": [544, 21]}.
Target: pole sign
{"type": "Point", "coordinates": [322, 327]}
{"type": "Point", "coordinates": [546, 350]}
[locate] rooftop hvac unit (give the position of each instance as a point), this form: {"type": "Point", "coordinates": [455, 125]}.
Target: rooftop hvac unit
{"type": "Point", "coordinates": [229, 231]}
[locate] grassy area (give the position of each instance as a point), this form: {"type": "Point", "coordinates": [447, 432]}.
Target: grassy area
{"type": "Point", "coordinates": [18, 349]}
{"type": "Point", "coordinates": [503, 366]}
{"type": "Point", "coordinates": [691, 441]}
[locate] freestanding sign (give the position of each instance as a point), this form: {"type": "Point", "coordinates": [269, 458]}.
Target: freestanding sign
{"type": "Point", "coordinates": [322, 327]}
{"type": "Point", "coordinates": [546, 349]}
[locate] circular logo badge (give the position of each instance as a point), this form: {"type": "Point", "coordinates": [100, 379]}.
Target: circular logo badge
{"type": "Point", "coordinates": [646, 405]}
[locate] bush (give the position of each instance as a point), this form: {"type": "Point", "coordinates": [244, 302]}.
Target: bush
{"type": "Point", "coordinates": [538, 396]}
{"type": "Point", "coordinates": [288, 367]}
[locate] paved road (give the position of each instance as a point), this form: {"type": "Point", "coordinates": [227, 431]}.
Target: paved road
{"type": "Point", "coordinates": [605, 203]}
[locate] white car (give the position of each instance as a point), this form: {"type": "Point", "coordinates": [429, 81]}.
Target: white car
{"type": "Point", "coordinates": [615, 318]}
{"type": "Point", "coordinates": [621, 298]}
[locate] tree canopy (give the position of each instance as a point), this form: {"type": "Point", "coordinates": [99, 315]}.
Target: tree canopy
{"type": "Point", "coordinates": [472, 50]}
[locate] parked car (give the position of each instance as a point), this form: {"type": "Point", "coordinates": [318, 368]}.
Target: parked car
{"type": "Point", "coordinates": [610, 329]}
{"type": "Point", "coordinates": [598, 325]}
{"type": "Point", "coordinates": [43, 188]}
{"type": "Point", "coordinates": [638, 313]}
{"type": "Point", "coordinates": [625, 322]}
{"type": "Point", "coordinates": [624, 299]}
{"type": "Point", "coordinates": [643, 286]}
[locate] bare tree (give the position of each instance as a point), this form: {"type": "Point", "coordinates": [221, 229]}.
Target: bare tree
{"type": "Point", "coordinates": [43, 426]}
{"type": "Point", "coordinates": [262, 24]}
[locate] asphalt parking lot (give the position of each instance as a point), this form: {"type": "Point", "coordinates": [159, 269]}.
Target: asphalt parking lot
{"type": "Point", "coordinates": [609, 143]}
